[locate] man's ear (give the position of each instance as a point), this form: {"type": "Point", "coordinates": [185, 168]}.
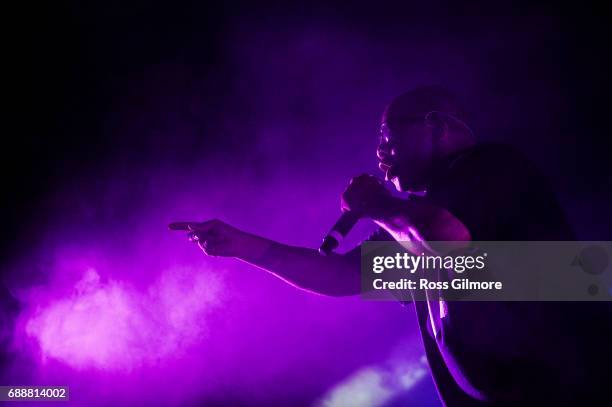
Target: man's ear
{"type": "Point", "coordinates": [437, 122]}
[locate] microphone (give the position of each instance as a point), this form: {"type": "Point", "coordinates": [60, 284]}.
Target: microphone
{"type": "Point", "coordinates": [340, 229]}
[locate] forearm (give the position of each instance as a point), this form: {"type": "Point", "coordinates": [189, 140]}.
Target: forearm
{"type": "Point", "coordinates": [305, 268]}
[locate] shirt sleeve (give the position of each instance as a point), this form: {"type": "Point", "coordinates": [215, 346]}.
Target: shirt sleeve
{"type": "Point", "coordinates": [485, 190]}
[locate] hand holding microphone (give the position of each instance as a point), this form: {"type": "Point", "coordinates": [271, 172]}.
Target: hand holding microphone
{"type": "Point", "coordinates": [365, 197]}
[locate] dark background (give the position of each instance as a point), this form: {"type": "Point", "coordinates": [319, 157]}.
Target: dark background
{"type": "Point", "coordinates": [118, 88]}
{"type": "Point", "coordinates": [72, 62]}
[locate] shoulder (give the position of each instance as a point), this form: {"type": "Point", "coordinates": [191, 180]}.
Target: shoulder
{"type": "Point", "coordinates": [492, 163]}
{"type": "Point", "coordinates": [492, 155]}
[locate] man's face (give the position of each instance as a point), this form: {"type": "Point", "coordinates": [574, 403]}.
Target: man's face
{"type": "Point", "coordinates": [405, 152]}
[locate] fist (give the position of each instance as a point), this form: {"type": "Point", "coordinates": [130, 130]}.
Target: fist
{"type": "Point", "coordinates": [214, 237]}
{"type": "Point", "coordinates": [365, 195]}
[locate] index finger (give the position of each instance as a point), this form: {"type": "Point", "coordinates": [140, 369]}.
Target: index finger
{"type": "Point", "coordinates": [192, 226]}
{"type": "Point", "coordinates": [181, 226]}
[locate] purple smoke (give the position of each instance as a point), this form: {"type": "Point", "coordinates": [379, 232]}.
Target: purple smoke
{"type": "Point", "coordinates": [113, 326]}
{"type": "Point", "coordinates": [116, 306]}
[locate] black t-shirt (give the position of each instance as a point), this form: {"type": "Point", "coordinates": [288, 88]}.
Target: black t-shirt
{"type": "Point", "coordinates": [498, 195]}
{"type": "Point", "coordinates": [508, 353]}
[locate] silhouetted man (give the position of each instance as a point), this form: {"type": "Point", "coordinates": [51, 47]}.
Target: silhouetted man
{"type": "Point", "coordinates": [479, 353]}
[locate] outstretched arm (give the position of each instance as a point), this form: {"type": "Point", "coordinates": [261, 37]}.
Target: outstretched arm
{"type": "Point", "coordinates": [334, 275]}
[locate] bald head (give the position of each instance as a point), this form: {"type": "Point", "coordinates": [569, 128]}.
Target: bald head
{"type": "Point", "coordinates": [420, 101]}
{"type": "Point", "coordinates": [419, 128]}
